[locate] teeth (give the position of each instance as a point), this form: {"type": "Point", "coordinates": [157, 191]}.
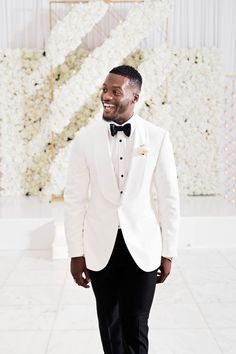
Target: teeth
{"type": "Point", "coordinates": [106, 105]}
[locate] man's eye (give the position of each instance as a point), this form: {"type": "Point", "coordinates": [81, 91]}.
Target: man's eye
{"type": "Point", "coordinates": [116, 92]}
{"type": "Point", "coordinates": [104, 89]}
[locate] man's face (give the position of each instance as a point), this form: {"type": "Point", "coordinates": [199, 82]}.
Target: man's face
{"type": "Point", "coordinates": [118, 98]}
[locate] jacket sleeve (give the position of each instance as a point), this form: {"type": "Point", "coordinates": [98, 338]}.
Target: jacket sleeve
{"type": "Point", "coordinates": [166, 184]}
{"type": "Point", "coordinates": [76, 197]}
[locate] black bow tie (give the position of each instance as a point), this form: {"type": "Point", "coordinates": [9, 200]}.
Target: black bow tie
{"type": "Point", "coordinates": [123, 128]}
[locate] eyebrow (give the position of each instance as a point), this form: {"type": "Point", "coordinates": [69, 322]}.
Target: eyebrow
{"type": "Point", "coordinates": [113, 86]}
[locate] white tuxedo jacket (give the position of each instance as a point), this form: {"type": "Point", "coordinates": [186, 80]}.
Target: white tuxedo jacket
{"type": "Point", "coordinates": [94, 206]}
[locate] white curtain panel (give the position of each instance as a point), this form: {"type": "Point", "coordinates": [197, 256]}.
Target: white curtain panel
{"type": "Point", "coordinates": [24, 23]}
{"type": "Point", "coordinates": [206, 23]}
{"type": "Point", "coordinates": [192, 23]}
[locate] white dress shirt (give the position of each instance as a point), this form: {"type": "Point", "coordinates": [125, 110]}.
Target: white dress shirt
{"type": "Point", "coordinates": [121, 147]}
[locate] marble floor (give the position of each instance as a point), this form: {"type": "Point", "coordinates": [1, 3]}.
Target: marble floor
{"type": "Point", "coordinates": [43, 312]}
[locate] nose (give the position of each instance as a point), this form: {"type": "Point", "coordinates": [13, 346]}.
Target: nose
{"type": "Point", "coordinates": [107, 96]}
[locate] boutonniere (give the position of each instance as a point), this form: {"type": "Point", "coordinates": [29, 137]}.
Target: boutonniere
{"type": "Point", "coordinates": [142, 149]}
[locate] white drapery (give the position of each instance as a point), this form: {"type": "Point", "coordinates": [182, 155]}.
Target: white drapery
{"type": "Point", "coordinates": [192, 24]}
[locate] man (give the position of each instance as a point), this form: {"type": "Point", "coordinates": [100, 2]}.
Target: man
{"type": "Point", "coordinates": [118, 237]}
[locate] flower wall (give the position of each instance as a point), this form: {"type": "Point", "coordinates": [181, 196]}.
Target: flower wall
{"type": "Point", "coordinates": [41, 110]}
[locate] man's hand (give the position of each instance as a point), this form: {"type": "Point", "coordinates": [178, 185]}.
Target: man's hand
{"type": "Point", "coordinates": [164, 270]}
{"type": "Point", "coordinates": [79, 271]}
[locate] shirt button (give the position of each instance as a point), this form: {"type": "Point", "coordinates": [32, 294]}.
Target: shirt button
{"type": "Point", "coordinates": [121, 158]}
{"type": "Point", "coordinates": [120, 140]}
{"type": "Point", "coordinates": [121, 192]}
{"type": "Point", "coordinates": [122, 175]}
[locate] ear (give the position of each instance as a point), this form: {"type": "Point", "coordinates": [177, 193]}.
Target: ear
{"type": "Point", "coordinates": [136, 97]}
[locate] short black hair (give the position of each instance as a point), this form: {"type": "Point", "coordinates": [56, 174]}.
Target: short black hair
{"type": "Point", "coordinates": [131, 73]}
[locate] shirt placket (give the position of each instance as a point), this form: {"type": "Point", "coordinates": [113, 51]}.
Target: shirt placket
{"type": "Point", "coordinates": [121, 161]}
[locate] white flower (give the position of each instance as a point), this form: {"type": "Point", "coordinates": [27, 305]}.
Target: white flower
{"type": "Point", "coordinates": [67, 34]}
{"type": "Point", "coordinates": [65, 37]}
{"type": "Point", "coordinates": [142, 149]}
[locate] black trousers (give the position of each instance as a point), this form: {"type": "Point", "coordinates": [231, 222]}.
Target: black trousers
{"type": "Point", "coordinates": [124, 295]}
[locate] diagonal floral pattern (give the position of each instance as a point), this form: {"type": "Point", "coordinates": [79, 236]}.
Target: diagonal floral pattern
{"type": "Point", "coordinates": [181, 92]}
{"type": "Point", "coordinates": [64, 38]}
{"type": "Point", "coordinates": [122, 41]}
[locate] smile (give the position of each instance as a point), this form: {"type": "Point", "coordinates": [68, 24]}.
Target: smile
{"type": "Point", "coordinates": [108, 107]}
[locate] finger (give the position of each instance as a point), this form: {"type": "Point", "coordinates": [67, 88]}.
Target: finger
{"type": "Point", "coordinates": [82, 281]}
{"type": "Point", "coordinates": [87, 275]}
{"type": "Point", "coordinates": [161, 275]}
{"type": "Point", "coordinates": [78, 279]}
{"type": "Point", "coordinates": [163, 278]}
{"type": "Point", "coordinates": [159, 279]}
{"type": "Point", "coordinates": [159, 272]}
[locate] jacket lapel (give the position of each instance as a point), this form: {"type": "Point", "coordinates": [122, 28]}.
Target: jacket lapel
{"type": "Point", "coordinates": [105, 171]}
{"type": "Point", "coordinates": [137, 163]}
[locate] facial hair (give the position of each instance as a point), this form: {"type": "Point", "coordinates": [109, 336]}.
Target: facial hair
{"type": "Point", "coordinates": [118, 115]}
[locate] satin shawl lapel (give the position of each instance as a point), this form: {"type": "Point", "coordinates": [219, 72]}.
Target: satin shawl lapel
{"type": "Point", "coordinates": [137, 163]}
{"type": "Point", "coordinates": [105, 171]}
